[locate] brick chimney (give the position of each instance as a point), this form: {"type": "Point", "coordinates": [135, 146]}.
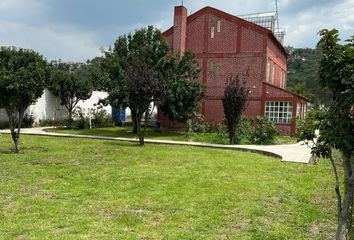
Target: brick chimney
{"type": "Point", "coordinates": [180, 30]}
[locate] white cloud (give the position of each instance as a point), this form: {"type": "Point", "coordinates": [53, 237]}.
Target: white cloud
{"type": "Point", "coordinates": [26, 23]}
{"type": "Point", "coordinates": [303, 27]}
{"type": "Point", "coordinates": [52, 42]}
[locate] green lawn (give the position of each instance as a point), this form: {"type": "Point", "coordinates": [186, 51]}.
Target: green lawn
{"type": "Point", "coordinates": [62, 188]}
{"type": "Point", "coordinates": [164, 135]}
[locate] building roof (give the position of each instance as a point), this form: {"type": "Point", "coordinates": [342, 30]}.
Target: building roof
{"type": "Point", "coordinates": [285, 90]}
{"type": "Point", "coordinates": [231, 18]}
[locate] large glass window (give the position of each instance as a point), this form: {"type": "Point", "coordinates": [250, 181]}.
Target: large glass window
{"type": "Point", "coordinates": [279, 112]}
{"type": "Point", "coordinates": [268, 71]}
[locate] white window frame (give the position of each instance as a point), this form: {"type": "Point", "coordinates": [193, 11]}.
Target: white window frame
{"type": "Point", "coordinates": [279, 111]}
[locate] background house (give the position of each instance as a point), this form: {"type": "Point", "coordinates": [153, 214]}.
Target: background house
{"type": "Point", "coordinates": [48, 107]}
{"type": "Point", "coordinates": [225, 46]}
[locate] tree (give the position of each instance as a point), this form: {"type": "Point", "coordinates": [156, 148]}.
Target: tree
{"type": "Point", "coordinates": [183, 92]}
{"type": "Point", "coordinates": [134, 74]}
{"type": "Point", "coordinates": [22, 81]}
{"type": "Point", "coordinates": [335, 121]}
{"type": "Point", "coordinates": [71, 83]}
{"type": "Point", "coordinates": [234, 103]}
{"type": "Point", "coordinates": [303, 79]}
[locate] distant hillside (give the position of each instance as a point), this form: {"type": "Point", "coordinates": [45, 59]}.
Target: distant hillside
{"type": "Point", "coordinates": [303, 75]}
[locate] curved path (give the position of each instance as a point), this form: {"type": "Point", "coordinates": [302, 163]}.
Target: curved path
{"type": "Point", "coordinates": [298, 152]}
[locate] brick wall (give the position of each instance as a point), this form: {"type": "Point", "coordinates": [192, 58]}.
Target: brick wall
{"type": "Point", "coordinates": [251, 41]}
{"type": "Point", "coordinates": [279, 59]}
{"type": "Point", "coordinates": [224, 41]}
{"type": "Point", "coordinates": [239, 48]}
{"type": "Point", "coordinates": [246, 67]}
{"type": "Point", "coordinates": [195, 33]}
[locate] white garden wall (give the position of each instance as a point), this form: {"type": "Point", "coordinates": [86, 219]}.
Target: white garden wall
{"type": "Point", "coordinates": [48, 107]}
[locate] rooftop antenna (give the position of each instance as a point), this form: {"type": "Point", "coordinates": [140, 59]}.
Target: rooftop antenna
{"type": "Point", "coordinates": [277, 13]}
{"type": "Point", "coordinates": [182, 3]}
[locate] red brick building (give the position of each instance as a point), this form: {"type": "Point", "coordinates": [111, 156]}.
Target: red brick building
{"type": "Point", "coordinates": [226, 46]}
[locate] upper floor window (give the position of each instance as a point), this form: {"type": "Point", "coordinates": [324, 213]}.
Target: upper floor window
{"type": "Point", "coordinates": [218, 26]}
{"type": "Point", "coordinates": [268, 71]}
{"type": "Point", "coordinates": [273, 72]}
{"type": "Point", "coordinates": [212, 32]}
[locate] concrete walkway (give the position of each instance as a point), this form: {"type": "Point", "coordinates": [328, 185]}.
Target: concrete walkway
{"type": "Point", "coordinates": [298, 152]}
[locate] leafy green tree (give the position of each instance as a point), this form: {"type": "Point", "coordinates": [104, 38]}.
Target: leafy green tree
{"type": "Point", "coordinates": [335, 122]}
{"type": "Point", "coordinates": [70, 82]}
{"type": "Point", "coordinates": [301, 89]}
{"type": "Point", "coordinates": [234, 103]}
{"type": "Point", "coordinates": [22, 81]}
{"type": "Point", "coordinates": [134, 75]}
{"type": "Point", "coordinates": [183, 92]}
{"type": "Point", "coordinates": [303, 79]}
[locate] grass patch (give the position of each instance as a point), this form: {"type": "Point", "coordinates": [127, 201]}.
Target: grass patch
{"type": "Point", "coordinates": [62, 188]}
{"type": "Point", "coordinates": [151, 133]}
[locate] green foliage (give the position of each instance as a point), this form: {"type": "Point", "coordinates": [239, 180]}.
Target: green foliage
{"type": "Point", "coordinates": [51, 123]}
{"type": "Point", "coordinates": [183, 92]}
{"type": "Point", "coordinates": [71, 82]}
{"type": "Point", "coordinates": [234, 103]}
{"type": "Point", "coordinates": [101, 119]}
{"type": "Point", "coordinates": [336, 73]}
{"type": "Point", "coordinates": [303, 76]}
{"type": "Point", "coordinates": [134, 76]}
{"type": "Point", "coordinates": [79, 120]}
{"type": "Point", "coordinates": [335, 122]}
{"type": "Point", "coordinates": [28, 120]}
{"type": "Point", "coordinates": [264, 131]}
{"type": "Point", "coordinates": [197, 124]}
{"type": "Point", "coordinates": [23, 76]}
{"type": "Point", "coordinates": [245, 128]}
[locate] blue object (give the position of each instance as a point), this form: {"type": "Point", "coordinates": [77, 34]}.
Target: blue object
{"type": "Point", "coordinates": [118, 114]}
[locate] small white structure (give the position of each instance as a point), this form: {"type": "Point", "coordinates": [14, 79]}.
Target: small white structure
{"type": "Point", "coordinates": [48, 107]}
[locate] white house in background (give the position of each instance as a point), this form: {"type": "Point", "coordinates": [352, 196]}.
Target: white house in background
{"type": "Point", "coordinates": [48, 107]}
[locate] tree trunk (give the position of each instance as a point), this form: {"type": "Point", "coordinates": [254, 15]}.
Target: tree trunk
{"type": "Point", "coordinates": [188, 128]}
{"type": "Point", "coordinates": [70, 119]}
{"type": "Point", "coordinates": [15, 119]}
{"type": "Point", "coordinates": [337, 187]}
{"type": "Point", "coordinates": [134, 120]}
{"type": "Point", "coordinates": [348, 197]}
{"type": "Point", "coordinates": [232, 137]}
{"type": "Point", "coordinates": [140, 132]}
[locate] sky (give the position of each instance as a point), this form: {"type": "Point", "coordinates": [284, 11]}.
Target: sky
{"type": "Point", "coordinates": [76, 30]}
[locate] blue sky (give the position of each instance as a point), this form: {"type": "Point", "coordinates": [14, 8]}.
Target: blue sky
{"type": "Point", "coordinates": [75, 30]}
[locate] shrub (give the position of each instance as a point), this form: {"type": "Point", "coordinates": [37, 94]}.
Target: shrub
{"type": "Point", "coordinates": [100, 118]}
{"type": "Point", "coordinates": [234, 103]}
{"type": "Point", "coordinates": [221, 136]}
{"type": "Point", "coordinates": [244, 129]}
{"type": "Point", "coordinates": [197, 124]}
{"type": "Point", "coordinates": [79, 120]}
{"type": "Point", "coordinates": [51, 123]}
{"type": "Point", "coordinates": [4, 125]}
{"type": "Point", "coordinates": [264, 132]}
{"type": "Point", "coordinates": [28, 120]}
